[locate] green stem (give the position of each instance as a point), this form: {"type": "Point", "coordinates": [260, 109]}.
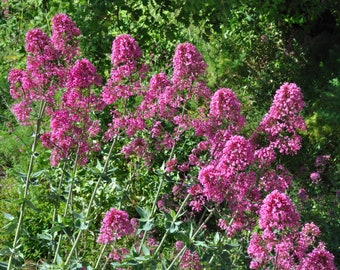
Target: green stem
{"type": "Point", "coordinates": [90, 203]}
{"type": "Point", "coordinates": [106, 262]}
{"type": "Point", "coordinates": [68, 202]}
{"type": "Point", "coordinates": [152, 212]}
{"type": "Point", "coordinates": [100, 256]}
{"type": "Point", "coordinates": [174, 220]}
{"type": "Point", "coordinates": [180, 253]}
{"type": "Point", "coordinates": [55, 210]}
{"type": "Point", "coordinates": [155, 201]}
{"type": "Point", "coordinates": [27, 182]}
{"type": "Point", "coordinates": [56, 207]}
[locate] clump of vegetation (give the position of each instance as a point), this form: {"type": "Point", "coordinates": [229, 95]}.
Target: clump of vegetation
{"type": "Point", "coordinates": [150, 162]}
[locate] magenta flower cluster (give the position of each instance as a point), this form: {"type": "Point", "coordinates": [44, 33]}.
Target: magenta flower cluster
{"type": "Point", "coordinates": [229, 177]}
{"type": "Point", "coordinates": [283, 120]}
{"type": "Point", "coordinates": [321, 163]}
{"type": "Point", "coordinates": [224, 169]}
{"type": "Point", "coordinates": [115, 225]}
{"type": "Point", "coordinates": [72, 129]}
{"type": "Point", "coordinates": [188, 65]}
{"type": "Point", "coordinates": [281, 244]}
{"type": "Point", "coordinates": [53, 71]}
{"type": "Point", "coordinates": [63, 32]}
{"type": "Point", "coordinates": [278, 213]}
{"type": "Point", "coordinates": [190, 260]}
{"type": "Point", "coordinates": [43, 76]}
{"type": "Point", "coordinates": [125, 59]}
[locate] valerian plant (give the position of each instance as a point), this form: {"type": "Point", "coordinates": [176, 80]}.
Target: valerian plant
{"type": "Point", "coordinates": [192, 192]}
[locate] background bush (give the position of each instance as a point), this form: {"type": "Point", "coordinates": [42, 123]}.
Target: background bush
{"type": "Point", "coordinates": [249, 47]}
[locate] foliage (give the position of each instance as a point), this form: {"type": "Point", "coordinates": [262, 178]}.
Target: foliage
{"type": "Point", "coordinates": [249, 47]}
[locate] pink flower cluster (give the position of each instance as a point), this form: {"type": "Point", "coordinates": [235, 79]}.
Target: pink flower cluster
{"type": "Point", "coordinates": [118, 254]}
{"type": "Point", "coordinates": [233, 171]}
{"type": "Point", "coordinates": [318, 259]}
{"type": "Point", "coordinates": [51, 68]}
{"type": "Point", "coordinates": [237, 154]}
{"type": "Point", "coordinates": [162, 111]}
{"type": "Point", "coordinates": [72, 129]}
{"type": "Point", "coordinates": [228, 176]}
{"type": "Point", "coordinates": [64, 33]}
{"type": "Point", "coordinates": [281, 245]}
{"type": "Point", "coordinates": [188, 65]}
{"type": "Point", "coordinates": [46, 70]}
{"type": "Point", "coordinates": [190, 260]}
{"type": "Point", "coordinates": [127, 70]}
{"type": "Point", "coordinates": [321, 163]}
{"type": "Point", "coordinates": [225, 109]}
{"type": "Point", "coordinates": [278, 213]}
{"type": "Point", "coordinates": [115, 225]}
{"type": "Point", "coordinates": [283, 120]}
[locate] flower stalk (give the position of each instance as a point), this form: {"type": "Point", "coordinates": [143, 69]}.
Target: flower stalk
{"type": "Point", "coordinates": [91, 201]}
{"type": "Point", "coordinates": [181, 252]}
{"type": "Point", "coordinates": [27, 182]}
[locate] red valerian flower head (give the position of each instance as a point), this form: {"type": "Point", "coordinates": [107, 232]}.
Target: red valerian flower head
{"type": "Point", "coordinates": [64, 34]}
{"type": "Point", "coordinates": [225, 107]}
{"type": "Point", "coordinates": [188, 63]}
{"type": "Point", "coordinates": [125, 50]}
{"type": "Point", "coordinates": [278, 212]}
{"type": "Point", "coordinates": [318, 259]}
{"type": "Point", "coordinates": [190, 260]}
{"type": "Point", "coordinates": [283, 119]}
{"type": "Point", "coordinates": [115, 225]}
{"type": "Point", "coordinates": [38, 43]}
{"type": "Point", "coordinates": [238, 153]}
{"type": "Point", "coordinates": [82, 75]}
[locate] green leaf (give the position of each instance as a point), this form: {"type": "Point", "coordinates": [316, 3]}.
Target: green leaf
{"type": "Point", "coordinates": [78, 215]}
{"type": "Point", "coordinates": [9, 228]}
{"type": "Point", "coordinates": [56, 228]}
{"type": "Point", "coordinates": [146, 250]}
{"type": "Point", "coordinates": [216, 238]}
{"type": "Point", "coordinates": [173, 228]}
{"type": "Point", "coordinates": [31, 205]}
{"type": "Point", "coordinates": [148, 226]}
{"type": "Point", "coordinates": [59, 260]}
{"type": "Point", "coordinates": [5, 251]}
{"type": "Point", "coordinates": [45, 236]}
{"type": "Point", "coordinates": [200, 243]}
{"type": "Point", "coordinates": [38, 173]}
{"type": "Point", "coordinates": [233, 245]}
{"type": "Point", "coordinates": [8, 216]}
{"type": "Point", "coordinates": [3, 265]}
{"type": "Point", "coordinates": [168, 217]}
{"type": "Point", "coordinates": [143, 213]}
{"type": "Point", "coordinates": [173, 214]}
{"type": "Point", "coordinates": [99, 166]}
{"type": "Point", "coordinates": [84, 225]}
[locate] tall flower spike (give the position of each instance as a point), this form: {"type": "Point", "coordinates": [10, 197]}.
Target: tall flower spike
{"type": "Point", "coordinates": [125, 58]}
{"type": "Point", "coordinates": [225, 107]}
{"type": "Point", "coordinates": [283, 120]}
{"type": "Point", "coordinates": [64, 36]}
{"type": "Point", "coordinates": [188, 64]}
{"type": "Point", "coordinates": [72, 128]}
{"type": "Point", "coordinates": [318, 259]}
{"type": "Point", "coordinates": [125, 50]}
{"type": "Point", "coordinates": [115, 225]}
{"type": "Point", "coordinates": [278, 212]}
{"type": "Point", "coordinates": [41, 78]}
